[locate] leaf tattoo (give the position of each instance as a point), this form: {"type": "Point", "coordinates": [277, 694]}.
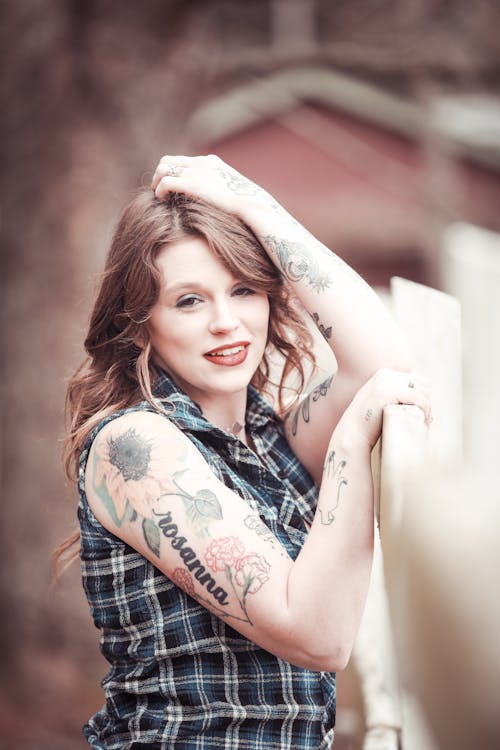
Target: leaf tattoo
{"type": "Point", "coordinates": [151, 535]}
{"type": "Point", "coordinates": [200, 507]}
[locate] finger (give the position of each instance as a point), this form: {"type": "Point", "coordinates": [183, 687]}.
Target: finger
{"type": "Point", "coordinates": [418, 382]}
{"type": "Point", "coordinates": [164, 170]}
{"type": "Point", "coordinates": [171, 184]}
{"type": "Point", "coordinates": [175, 158]}
{"type": "Point", "coordinates": [169, 164]}
{"type": "Point", "coordinates": [413, 395]}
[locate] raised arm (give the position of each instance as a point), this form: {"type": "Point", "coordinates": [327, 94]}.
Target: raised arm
{"type": "Point", "coordinates": [348, 313]}
{"type": "Point", "coordinates": [346, 310]}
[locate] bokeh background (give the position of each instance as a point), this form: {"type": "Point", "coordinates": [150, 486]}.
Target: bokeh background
{"type": "Point", "coordinates": [377, 123]}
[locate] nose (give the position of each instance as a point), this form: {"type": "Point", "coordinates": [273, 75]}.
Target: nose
{"type": "Point", "coordinates": [223, 317]}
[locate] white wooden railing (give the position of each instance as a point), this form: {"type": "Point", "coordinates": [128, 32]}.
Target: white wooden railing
{"type": "Point", "coordinates": [408, 449]}
{"type": "Point", "coordinates": [428, 651]}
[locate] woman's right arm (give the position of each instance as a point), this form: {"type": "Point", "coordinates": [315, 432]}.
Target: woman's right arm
{"type": "Point", "coordinates": [149, 485]}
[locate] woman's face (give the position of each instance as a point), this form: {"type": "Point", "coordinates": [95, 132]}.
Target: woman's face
{"type": "Point", "coordinates": [208, 329]}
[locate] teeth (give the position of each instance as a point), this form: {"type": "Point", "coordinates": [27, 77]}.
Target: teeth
{"type": "Point", "coordinates": [227, 352]}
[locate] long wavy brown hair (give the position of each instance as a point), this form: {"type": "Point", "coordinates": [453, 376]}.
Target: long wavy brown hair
{"type": "Point", "coordinates": [119, 370]}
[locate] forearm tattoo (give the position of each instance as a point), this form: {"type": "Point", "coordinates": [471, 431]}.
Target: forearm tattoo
{"type": "Point", "coordinates": [304, 408]}
{"type": "Point", "coordinates": [239, 184]}
{"type": "Point", "coordinates": [334, 469]}
{"type": "Point", "coordinates": [125, 478]}
{"type": "Point", "coordinates": [298, 263]}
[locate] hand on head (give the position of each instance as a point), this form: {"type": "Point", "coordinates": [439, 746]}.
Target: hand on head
{"type": "Point", "coordinates": [206, 177]}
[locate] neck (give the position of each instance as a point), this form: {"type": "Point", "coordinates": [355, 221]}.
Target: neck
{"type": "Point", "coordinates": [228, 414]}
{"type": "Point", "coordinates": [237, 428]}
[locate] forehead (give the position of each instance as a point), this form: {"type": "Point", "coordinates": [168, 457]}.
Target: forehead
{"type": "Point", "coordinates": [189, 259]}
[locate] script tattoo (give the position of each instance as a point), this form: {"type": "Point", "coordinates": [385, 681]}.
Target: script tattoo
{"type": "Point", "coordinates": [245, 572]}
{"type": "Point", "coordinates": [170, 530]}
{"type": "Point", "coordinates": [304, 408]}
{"type": "Point", "coordinates": [298, 263]}
{"type": "Point", "coordinates": [333, 468]}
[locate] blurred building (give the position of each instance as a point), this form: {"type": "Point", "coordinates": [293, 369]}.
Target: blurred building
{"type": "Point", "coordinates": [375, 175]}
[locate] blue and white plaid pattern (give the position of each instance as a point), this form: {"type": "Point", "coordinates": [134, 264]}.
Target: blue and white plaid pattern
{"type": "Point", "coordinates": [180, 677]}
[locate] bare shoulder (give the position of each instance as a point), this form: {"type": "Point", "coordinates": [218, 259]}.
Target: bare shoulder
{"type": "Point", "coordinates": [133, 440]}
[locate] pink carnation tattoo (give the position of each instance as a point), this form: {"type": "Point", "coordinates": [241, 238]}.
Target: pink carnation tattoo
{"type": "Point", "coordinates": [251, 572]}
{"type": "Point", "coordinates": [182, 579]}
{"type": "Point", "coordinates": [246, 573]}
{"type": "Point", "coordinates": [224, 552]}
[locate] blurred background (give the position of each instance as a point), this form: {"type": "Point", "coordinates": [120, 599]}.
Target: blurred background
{"type": "Point", "coordinates": [375, 122]}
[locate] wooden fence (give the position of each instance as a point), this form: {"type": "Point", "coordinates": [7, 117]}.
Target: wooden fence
{"type": "Point", "coordinates": [428, 650]}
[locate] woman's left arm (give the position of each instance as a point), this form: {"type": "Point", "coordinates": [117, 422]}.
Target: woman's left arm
{"type": "Point", "coordinates": [346, 310]}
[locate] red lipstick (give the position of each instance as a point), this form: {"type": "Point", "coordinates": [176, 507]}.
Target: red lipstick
{"type": "Point", "coordinates": [228, 355]}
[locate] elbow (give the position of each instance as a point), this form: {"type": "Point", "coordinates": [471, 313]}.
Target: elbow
{"type": "Point", "coordinates": [333, 658]}
{"type": "Point", "coordinates": [334, 661]}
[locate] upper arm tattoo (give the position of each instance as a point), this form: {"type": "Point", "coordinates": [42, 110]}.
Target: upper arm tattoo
{"type": "Point", "coordinates": [254, 523]}
{"type": "Point", "coordinates": [124, 476]}
{"type": "Point", "coordinates": [128, 477]}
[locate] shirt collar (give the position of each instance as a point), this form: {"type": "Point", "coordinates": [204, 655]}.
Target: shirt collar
{"type": "Point", "coordinates": [186, 413]}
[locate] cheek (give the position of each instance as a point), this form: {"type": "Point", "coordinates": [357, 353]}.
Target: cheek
{"type": "Point", "coordinates": [266, 317]}
{"type": "Point", "coordinates": [262, 312]}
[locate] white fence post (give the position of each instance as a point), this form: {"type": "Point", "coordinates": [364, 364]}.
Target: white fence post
{"type": "Point", "coordinates": [471, 272]}
{"type": "Point", "coordinates": [431, 321]}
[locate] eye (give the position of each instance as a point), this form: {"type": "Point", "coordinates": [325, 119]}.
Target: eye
{"type": "Point", "coordinates": [189, 300]}
{"type": "Point", "coordinates": [243, 291]}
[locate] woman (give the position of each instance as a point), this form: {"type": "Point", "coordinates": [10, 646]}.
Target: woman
{"type": "Point", "coordinates": [226, 551]}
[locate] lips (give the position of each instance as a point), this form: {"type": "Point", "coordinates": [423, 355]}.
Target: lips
{"type": "Point", "coordinates": [228, 355]}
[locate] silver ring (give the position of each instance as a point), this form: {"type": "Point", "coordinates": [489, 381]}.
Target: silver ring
{"type": "Point", "coordinates": [174, 170]}
{"type": "Point", "coordinates": [411, 384]}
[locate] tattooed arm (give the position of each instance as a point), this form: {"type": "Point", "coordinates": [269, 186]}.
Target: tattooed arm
{"type": "Point", "coordinates": [149, 485]}
{"type": "Point", "coordinates": [347, 312]}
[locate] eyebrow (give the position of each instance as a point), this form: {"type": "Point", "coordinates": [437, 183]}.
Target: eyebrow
{"type": "Point", "coordinates": [180, 285]}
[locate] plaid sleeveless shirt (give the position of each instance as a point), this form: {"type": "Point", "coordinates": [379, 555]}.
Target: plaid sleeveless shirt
{"type": "Point", "coordinates": [179, 676]}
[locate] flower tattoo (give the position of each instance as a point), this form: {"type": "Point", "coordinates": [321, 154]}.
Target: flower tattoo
{"type": "Point", "coordinates": [245, 572]}
{"type": "Point", "coordinates": [224, 552]}
{"type": "Point", "coordinates": [182, 579]}
{"type": "Point", "coordinates": [251, 572]}
{"type": "Point", "coordinates": [127, 466]}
